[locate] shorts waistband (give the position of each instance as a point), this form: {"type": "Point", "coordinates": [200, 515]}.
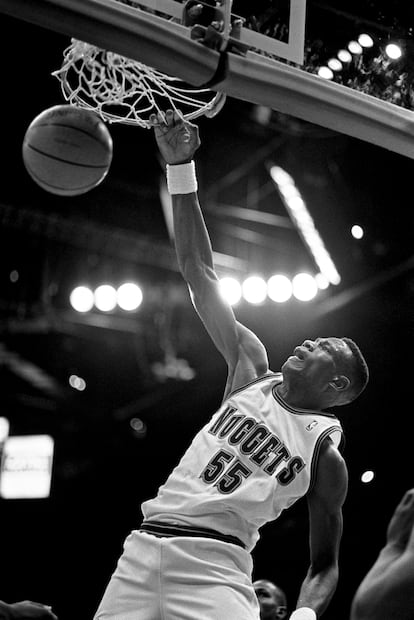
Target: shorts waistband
{"type": "Point", "coordinates": [168, 530]}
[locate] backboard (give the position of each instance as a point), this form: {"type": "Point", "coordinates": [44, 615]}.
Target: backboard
{"type": "Point", "coordinates": [272, 65]}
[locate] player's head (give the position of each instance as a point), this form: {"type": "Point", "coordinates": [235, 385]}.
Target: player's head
{"type": "Point", "coordinates": [332, 369]}
{"type": "Point", "coordinates": [272, 600]}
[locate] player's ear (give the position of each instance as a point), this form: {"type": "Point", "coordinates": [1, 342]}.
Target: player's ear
{"type": "Point", "coordinates": [340, 383]}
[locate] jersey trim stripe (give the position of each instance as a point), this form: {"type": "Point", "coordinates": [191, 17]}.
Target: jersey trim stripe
{"type": "Point", "coordinates": [298, 410]}
{"type": "Point", "coordinates": [168, 530]}
{"type": "Point", "coordinates": [315, 457]}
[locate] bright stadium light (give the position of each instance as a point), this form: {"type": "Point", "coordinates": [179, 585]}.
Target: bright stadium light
{"type": "Point", "coordinates": [279, 288]}
{"type": "Point", "coordinates": [335, 64]}
{"type": "Point", "coordinates": [367, 476]}
{"type": "Point", "coordinates": [129, 296]}
{"type": "Point", "coordinates": [105, 297]}
{"type": "Point", "coordinates": [254, 290]}
{"type": "Point", "coordinates": [365, 40]}
{"type": "Point", "coordinates": [354, 47]}
{"type": "Point", "coordinates": [344, 56]}
{"type": "Point", "coordinates": [326, 73]}
{"type": "Point", "coordinates": [77, 383]}
{"type": "Point", "coordinates": [302, 220]}
{"type": "Point", "coordinates": [230, 290]}
{"type": "Point", "coordinates": [304, 287]}
{"type": "Point", "coordinates": [81, 299]}
{"type": "Point", "coordinates": [357, 231]}
{"type": "Point", "coordinates": [393, 51]}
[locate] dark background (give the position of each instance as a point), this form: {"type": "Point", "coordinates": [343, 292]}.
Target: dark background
{"type": "Point", "coordinates": [62, 550]}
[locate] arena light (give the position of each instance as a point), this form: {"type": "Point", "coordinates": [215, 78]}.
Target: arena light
{"type": "Point", "coordinates": [367, 476]}
{"type": "Point", "coordinates": [304, 287]}
{"type": "Point", "coordinates": [81, 299]}
{"type": "Point", "coordinates": [279, 288]}
{"type": "Point", "coordinates": [335, 64]}
{"type": "Point", "coordinates": [344, 56]}
{"type": "Point", "coordinates": [77, 383]}
{"type": "Point", "coordinates": [357, 231]}
{"type": "Point", "coordinates": [355, 48]}
{"type": "Point", "coordinates": [326, 73]}
{"type": "Point", "coordinates": [14, 276]}
{"type": "Point", "coordinates": [365, 40]}
{"type": "Point", "coordinates": [254, 290]}
{"type": "Point", "coordinates": [138, 427]}
{"type": "Point", "coordinates": [304, 223]}
{"type": "Point", "coordinates": [129, 296]}
{"type": "Point", "coordinates": [393, 51]}
{"type": "Point", "coordinates": [230, 289]}
{"type": "Point", "coordinates": [105, 297]}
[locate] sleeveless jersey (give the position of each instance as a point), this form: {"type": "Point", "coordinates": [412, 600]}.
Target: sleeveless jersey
{"type": "Point", "coordinates": [255, 458]}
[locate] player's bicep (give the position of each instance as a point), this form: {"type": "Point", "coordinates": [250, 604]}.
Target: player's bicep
{"type": "Point", "coordinates": [325, 506]}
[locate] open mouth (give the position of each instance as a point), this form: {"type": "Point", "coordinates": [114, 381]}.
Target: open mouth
{"type": "Point", "coordinates": [299, 353]}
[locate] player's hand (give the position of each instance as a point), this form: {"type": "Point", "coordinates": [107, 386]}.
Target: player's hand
{"type": "Point", "coordinates": [388, 588]}
{"type": "Point", "coordinates": [28, 610]}
{"type": "Point", "coordinates": [177, 139]}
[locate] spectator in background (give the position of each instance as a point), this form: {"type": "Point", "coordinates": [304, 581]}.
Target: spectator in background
{"type": "Point", "coordinates": [387, 591]}
{"type": "Point", "coordinates": [272, 600]}
{"type": "Point", "coordinates": [26, 610]}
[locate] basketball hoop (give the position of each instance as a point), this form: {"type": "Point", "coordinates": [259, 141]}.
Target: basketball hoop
{"type": "Point", "coordinates": [121, 90]}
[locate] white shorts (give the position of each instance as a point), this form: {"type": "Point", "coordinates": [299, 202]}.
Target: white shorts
{"type": "Point", "coordinates": [180, 578]}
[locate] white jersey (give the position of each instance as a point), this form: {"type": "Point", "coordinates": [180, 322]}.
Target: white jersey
{"type": "Point", "coordinates": [255, 457]}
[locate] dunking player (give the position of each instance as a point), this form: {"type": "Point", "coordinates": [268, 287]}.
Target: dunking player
{"type": "Point", "coordinates": [272, 600]}
{"type": "Point", "coordinates": [271, 442]}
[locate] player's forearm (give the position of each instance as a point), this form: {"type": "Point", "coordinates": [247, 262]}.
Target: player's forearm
{"type": "Point", "coordinates": [318, 589]}
{"type": "Point", "coordinates": [192, 241]}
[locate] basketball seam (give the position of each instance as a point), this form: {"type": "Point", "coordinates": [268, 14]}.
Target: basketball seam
{"type": "Point", "coordinates": [66, 161]}
{"type": "Point", "coordinates": [91, 135]}
{"type": "Point", "coordinates": [43, 184]}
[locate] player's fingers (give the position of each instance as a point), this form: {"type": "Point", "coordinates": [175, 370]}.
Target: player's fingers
{"type": "Point", "coordinates": [169, 117]}
{"type": "Point", "coordinates": [161, 118]}
{"type": "Point", "coordinates": [179, 115]}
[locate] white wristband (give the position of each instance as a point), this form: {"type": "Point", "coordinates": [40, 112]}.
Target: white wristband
{"type": "Point", "coordinates": [181, 178]}
{"type": "Point", "coordinates": [303, 613]}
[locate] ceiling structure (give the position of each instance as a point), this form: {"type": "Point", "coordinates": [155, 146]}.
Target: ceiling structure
{"type": "Point", "coordinates": [118, 232]}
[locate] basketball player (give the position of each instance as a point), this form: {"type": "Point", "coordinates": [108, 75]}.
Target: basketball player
{"type": "Point", "coordinates": [272, 600]}
{"type": "Point", "coordinates": [387, 591]}
{"type": "Point", "coordinates": [272, 441]}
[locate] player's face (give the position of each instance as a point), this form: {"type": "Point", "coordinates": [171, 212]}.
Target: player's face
{"type": "Point", "coordinates": [271, 603]}
{"type": "Point", "coordinates": [316, 362]}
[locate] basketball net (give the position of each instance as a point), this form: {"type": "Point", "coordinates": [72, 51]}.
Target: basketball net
{"type": "Point", "coordinates": [122, 90]}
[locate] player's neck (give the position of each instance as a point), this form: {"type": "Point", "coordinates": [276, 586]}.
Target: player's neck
{"type": "Point", "coordinates": [299, 398]}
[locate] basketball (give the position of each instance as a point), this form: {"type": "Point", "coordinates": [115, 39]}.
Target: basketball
{"type": "Point", "coordinates": [67, 150]}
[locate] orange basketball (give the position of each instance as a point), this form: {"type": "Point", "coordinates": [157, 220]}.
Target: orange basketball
{"type": "Point", "coordinates": [67, 150]}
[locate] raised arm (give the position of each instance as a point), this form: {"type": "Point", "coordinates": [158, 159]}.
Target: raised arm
{"type": "Point", "coordinates": [244, 353]}
{"type": "Point", "coordinates": [325, 529]}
